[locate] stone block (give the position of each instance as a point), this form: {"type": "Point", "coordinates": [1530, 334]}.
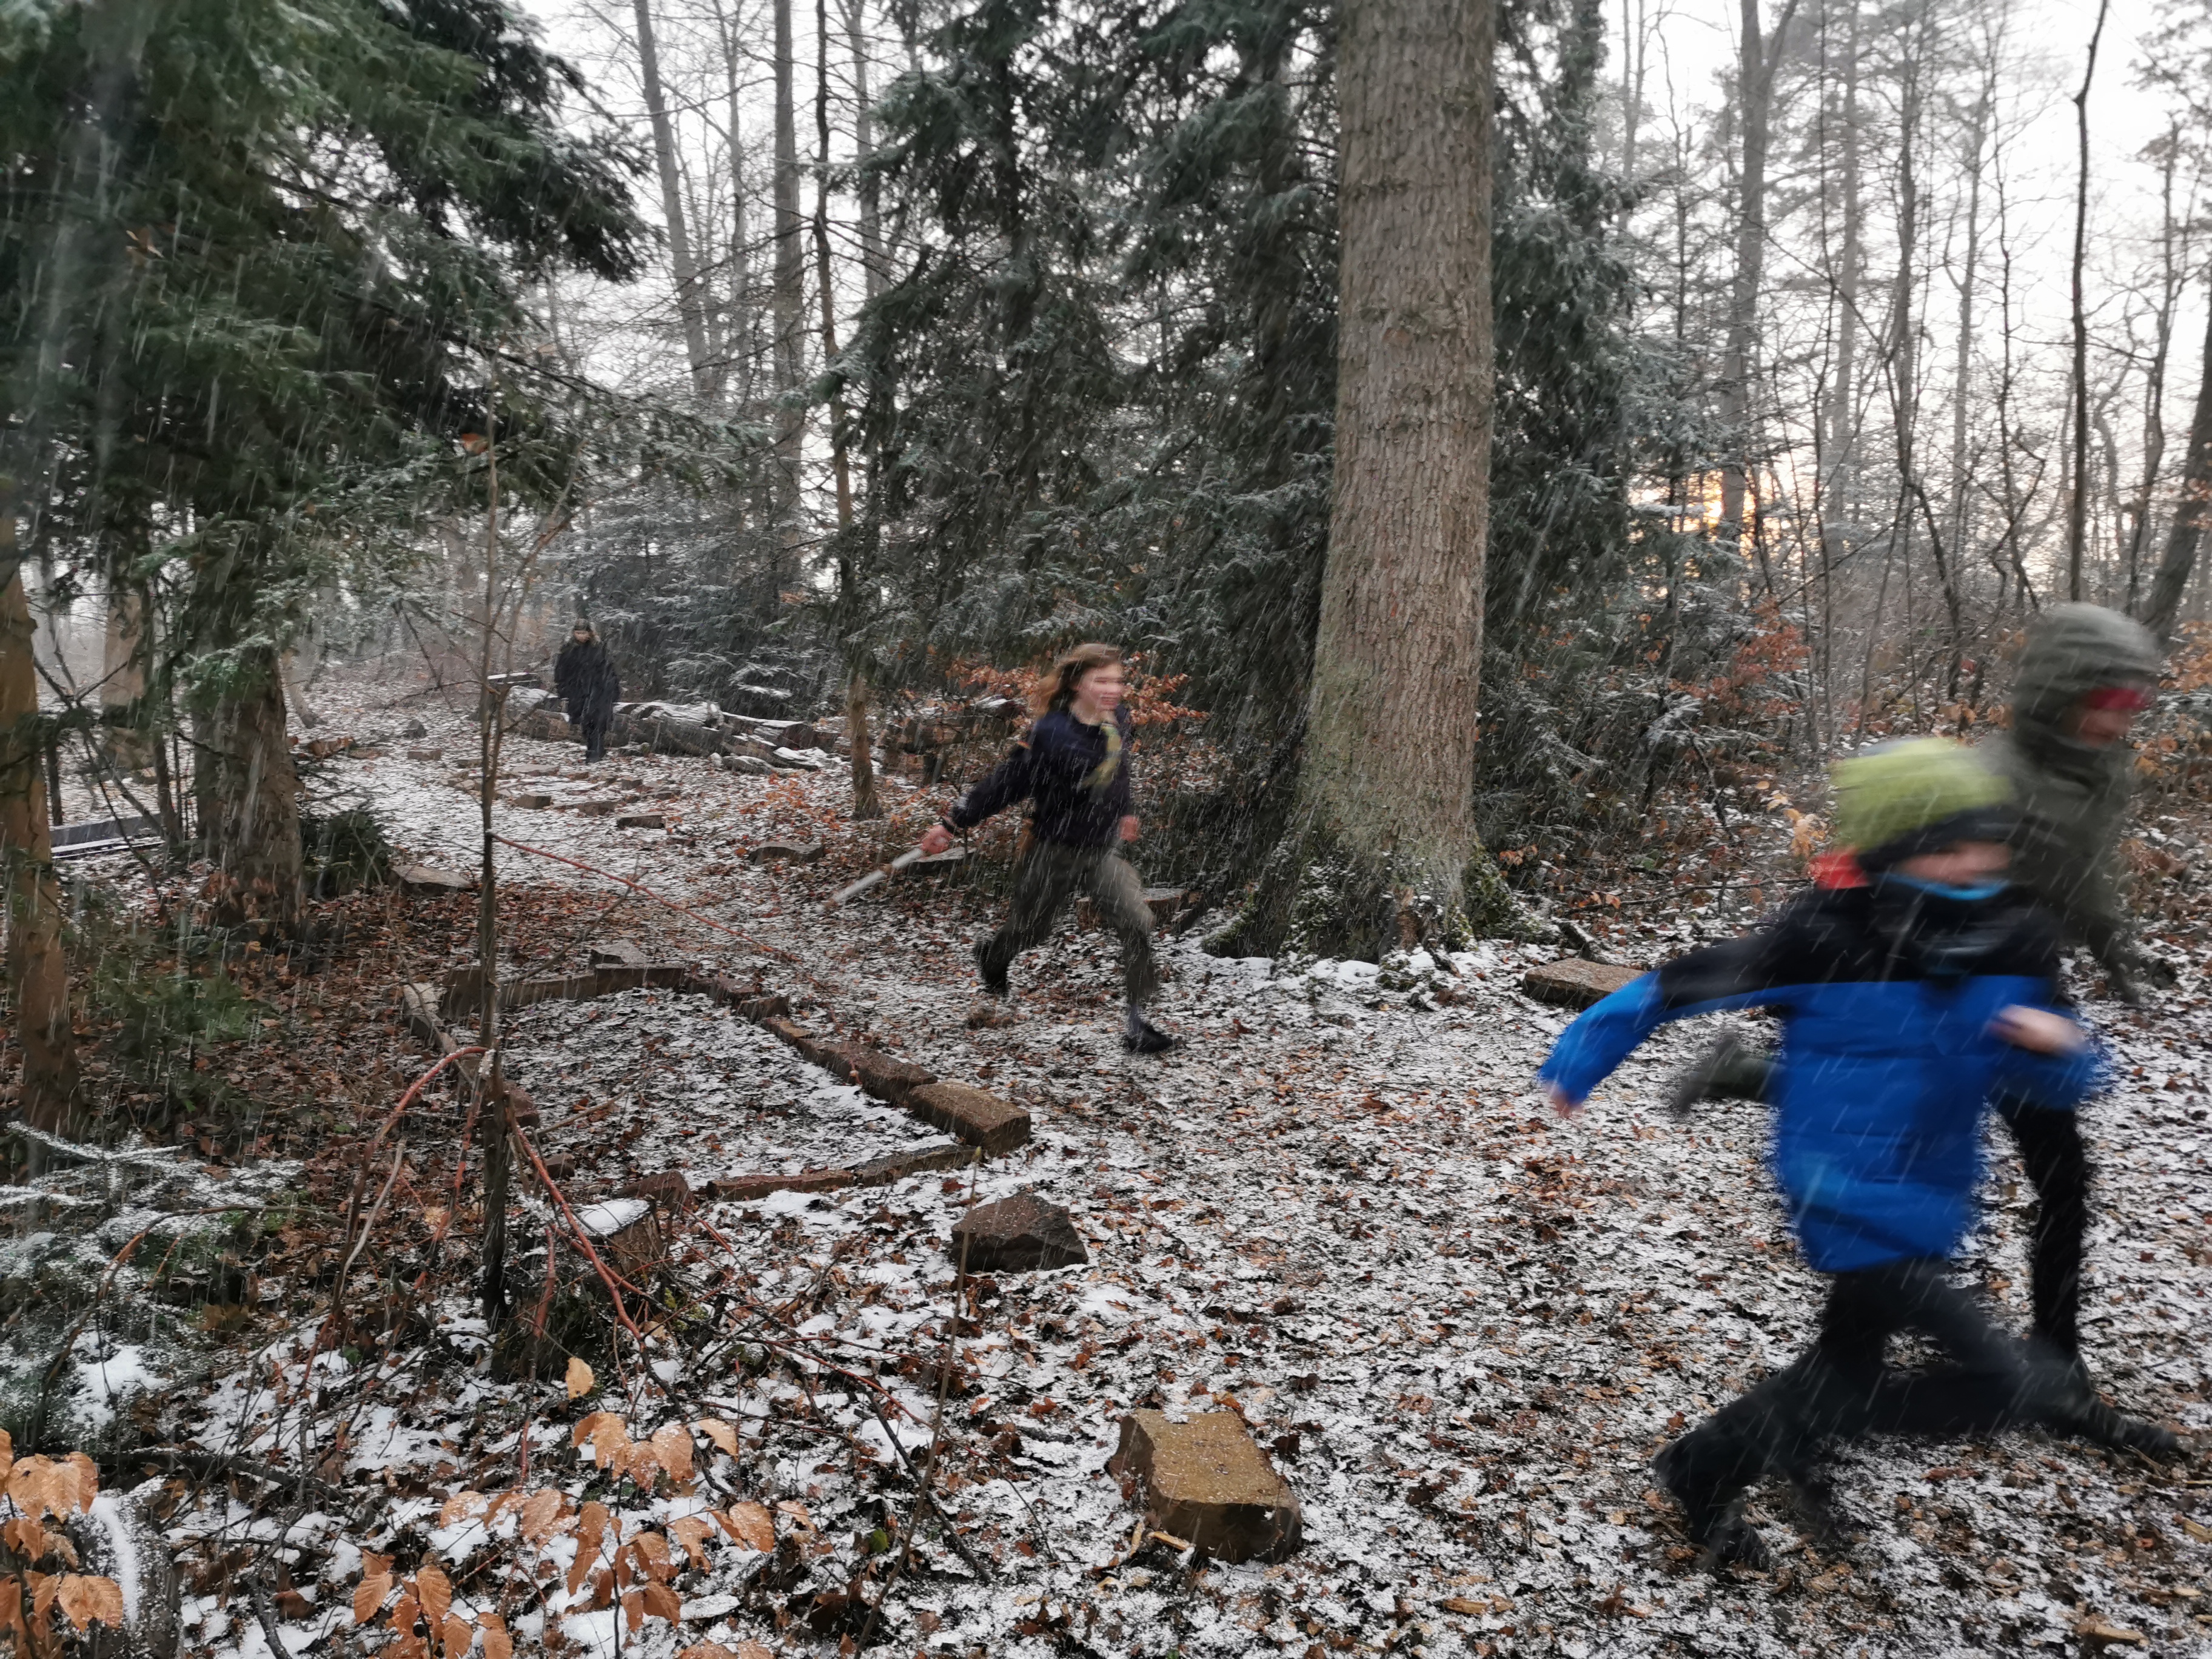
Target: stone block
{"type": "Point", "coordinates": [896, 1166]}
{"type": "Point", "coordinates": [1574, 983]}
{"type": "Point", "coordinates": [794, 852]}
{"type": "Point", "coordinates": [980, 1118]}
{"type": "Point", "coordinates": [595, 809]}
{"type": "Point", "coordinates": [1166, 903]}
{"type": "Point", "coordinates": [424, 879]}
{"type": "Point", "coordinates": [1017, 1235]}
{"type": "Point", "coordinates": [530, 800]}
{"type": "Point", "coordinates": [745, 1187]}
{"type": "Point", "coordinates": [618, 953]}
{"type": "Point", "coordinates": [426, 754]}
{"type": "Point", "coordinates": [882, 1076]}
{"type": "Point", "coordinates": [1206, 1482]}
{"type": "Point", "coordinates": [642, 821]}
{"type": "Point", "coordinates": [667, 1191]}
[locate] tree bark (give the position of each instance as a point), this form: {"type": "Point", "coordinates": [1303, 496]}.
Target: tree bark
{"type": "Point", "coordinates": [2077, 505]}
{"type": "Point", "coordinates": [1383, 852]}
{"type": "Point", "coordinates": [251, 817]}
{"type": "Point", "coordinates": [688, 307]}
{"type": "Point", "coordinates": [867, 186]}
{"type": "Point", "coordinates": [1754, 95]}
{"type": "Point", "coordinates": [787, 300]}
{"type": "Point", "coordinates": [123, 678]}
{"type": "Point", "coordinates": [37, 972]}
{"type": "Point", "coordinates": [2192, 506]}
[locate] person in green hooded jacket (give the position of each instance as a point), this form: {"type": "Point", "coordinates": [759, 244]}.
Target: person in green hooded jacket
{"type": "Point", "coordinates": [2085, 673]}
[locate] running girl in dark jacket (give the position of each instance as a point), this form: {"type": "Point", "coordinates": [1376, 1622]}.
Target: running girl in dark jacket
{"type": "Point", "coordinates": [1913, 986]}
{"type": "Point", "coordinates": [1072, 769]}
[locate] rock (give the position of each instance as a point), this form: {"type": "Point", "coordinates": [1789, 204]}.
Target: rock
{"type": "Point", "coordinates": [626, 1236]}
{"type": "Point", "coordinates": [426, 754]}
{"type": "Point", "coordinates": [989, 1013]}
{"type": "Point", "coordinates": [324, 748]}
{"type": "Point", "coordinates": [618, 953]}
{"type": "Point", "coordinates": [786, 734]}
{"type": "Point", "coordinates": [418, 1010]}
{"type": "Point", "coordinates": [1204, 1482]}
{"type": "Point", "coordinates": [810, 1047]}
{"type": "Point", "coordinates": [741, 1189]}
{"type": "Point", "coordinates": [533, 802]}
{"type": "Point", "coordinates": [1166, 903]}
{"type": "Point", "coordinates": [422, 878]}
{"type": "Point", "coordinates": [794, 850]}
{"type": "Point", "coordinates": [980, 1118]}
{"type": "Point", "coordinates": [896, 1166]}
{"type": "Point", "coordinates": [799, 760]}
{"type": "Point", "coordinates": [1017, 1235]}
{"type": "Point", "coordinates": [751, 764]}
{"type": "Point", "coordinates": [938, 864]}
{"type": "Point", "coordinates": [417, 729]}
{"type": "Point", "coordinates": [1572, 982]}
{"type": "Point", "coordinates": [642, 821]}
{"type": "Point", "coordinates": [668, 1190]}
{"type": "Point", "coordinates": [546, 724]}
{"type": "Point", "coordinates": [595, 809]}
{"type": "Point", "coordinates": [881, 1075]}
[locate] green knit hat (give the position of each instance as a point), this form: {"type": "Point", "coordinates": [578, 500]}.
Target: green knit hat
{"type": "Point", "coordinates": [1917, 795]}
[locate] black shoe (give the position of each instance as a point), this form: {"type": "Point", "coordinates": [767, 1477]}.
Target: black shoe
{"type": "Point", "coordinates": [1826, 1524]}
{"type": "Point", "coordinates": [1148, 1039]}
{"type": "Point", "coordinates": [1729, 1069]}
{"type": "Point", "coordinates": [995, 984]}
{"type": "Point", "coordinates": [2094, 1421]}
{"type": "Point", "coordinates": [1712, 1516]}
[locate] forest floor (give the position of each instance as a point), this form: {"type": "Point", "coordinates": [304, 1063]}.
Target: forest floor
{"type": "Point", "coordinates": [1462, 1327]}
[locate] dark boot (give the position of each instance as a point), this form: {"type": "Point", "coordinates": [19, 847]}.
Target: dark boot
{"type": "Point", "coordinates": [994, 979]}
{"type": "Point", "coordinates": [1728, 1069]}
{"type": "Point", "coordinates": [1143, 1037]}
{"type": "Point", "coordinates": [1704, 1474]}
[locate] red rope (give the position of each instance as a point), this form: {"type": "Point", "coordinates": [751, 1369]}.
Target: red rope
{"type": "Point", "coordinates": [407, 1099]}
{"type": "Point", "coordinates": [707, 921]}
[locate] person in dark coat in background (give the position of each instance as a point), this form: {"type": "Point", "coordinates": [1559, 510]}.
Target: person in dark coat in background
{"type": "Point", "coordinates": [1072, 769]}
{"type": "Point", "coordinates": [585, 675]}
{"type": "Point", "coordinates": [2085, 673]}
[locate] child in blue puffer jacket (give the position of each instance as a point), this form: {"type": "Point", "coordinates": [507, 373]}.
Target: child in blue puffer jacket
{"type": "Point", "coordinates": [1913, 985]}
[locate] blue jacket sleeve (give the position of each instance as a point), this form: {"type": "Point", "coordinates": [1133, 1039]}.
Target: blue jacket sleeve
{"type": "Point", "coordinates": [1008, 782]}
{"type": "Point", "coordinates": [1740, 974]}
{"type": "Point", "coordinates": [2057, 1082]}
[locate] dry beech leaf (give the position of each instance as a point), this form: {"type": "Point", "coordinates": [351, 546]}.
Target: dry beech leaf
{"type": "Point", "coordinates": [581, 1378]}
{"type": "Point", "coordinates": [608, 1436]}
{"type": "Point", "coordinates": [724, 1437]}
{"type": "Point", "coordinates": [542, 1514]}
{"type": "Point", "coordinates": [435, 1592]}
{"type": "Point", "coordinates": [7, 1455]}
{"type": "Point", "coordinates": [460, 1507]}
{"type": "Point", "coordinates": [85, 1598]}
{"type": "Point", "coordinates": [749, 1524]}
{"type": "Point", "coordinates": [755, 1650]}
{"type": "Point", "coordinates": [672, 1446]}
{"type": "Point", "coordinates": [651, 1550]}
{"type": "Point", "coordinates": [707, 1650]}
{"type": "Point", "coordinates": [498, 1644]}
{"type": "Point", "coordinates": [26, 1537]}
{"type": "Point", "coordinates": [368, 1596]}
{"type": "Point", "coordinates": [690, 1532]}
{"type": "Point", "coordinates": [590, 1530]}
{"type": "Point", "coordinates": [658, 1601]}
{"type": "Point", "coordinates": [11, 1613]}
{"type": "Point", "coordinates": [405, 1612]}
{"type": "Point", "coordinates": [87, 1479]}
{"type": "Point", "coordinates": [371, 1562]}
{"type": "Point", "coordinates": [44, 1587]}
{"type": "Point", "coordinates": [459, 1634]}
{"type": "Point", "coordinates": [797, 1511]}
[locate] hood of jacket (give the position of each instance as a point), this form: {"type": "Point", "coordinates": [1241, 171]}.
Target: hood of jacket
{"type": "Point", "coordinates": [2071, 651]}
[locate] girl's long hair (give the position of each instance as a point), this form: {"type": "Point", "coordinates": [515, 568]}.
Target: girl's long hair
{"type": "Point", "coordinates": [1057, 689]}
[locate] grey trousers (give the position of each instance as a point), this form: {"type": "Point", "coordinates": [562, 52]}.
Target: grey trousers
{"type": "Point", "coordinates": [1048, 876]}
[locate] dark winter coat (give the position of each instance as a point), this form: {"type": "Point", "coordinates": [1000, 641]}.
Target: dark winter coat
{"type": "Point", "coordinates": [585, 675]}
{"type": "Point", "coordinates": [2073, 796]}
{"type": "Point", "coordinates": [1074, 776]}
{"type": "Point", "coordinates": [1886, 994]}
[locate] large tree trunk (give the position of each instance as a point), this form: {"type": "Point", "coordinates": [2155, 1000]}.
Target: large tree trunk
{"type": "Point", "coordinates": [2193, 507]}
{"type": "Point", "coordinates": [787, 300]}
{"type": "Point", "coordinates": [690, 300]}
{"type": "Point", "coordinates": [250, 818]}
{"type": "Point", "coordinates": [867, 186]}
{"type": "Point", "coordinates": [1382, 851]}
{"type": "Point", "coordinates": [1754, 89]}
{"type": "Point", "coordinates": [38, 973]}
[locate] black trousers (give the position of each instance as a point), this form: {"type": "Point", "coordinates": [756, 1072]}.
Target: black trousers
{"type": "Point", "coordinates": [1842, 1389]}
{"type": "Point", "coordinates": [594, 724]}
{"type": "Point", "coordinates": [2058, 1165]}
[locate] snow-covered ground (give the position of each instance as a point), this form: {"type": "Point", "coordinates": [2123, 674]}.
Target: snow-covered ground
{"type": "Point", "coordinates": [1464, 1327]}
